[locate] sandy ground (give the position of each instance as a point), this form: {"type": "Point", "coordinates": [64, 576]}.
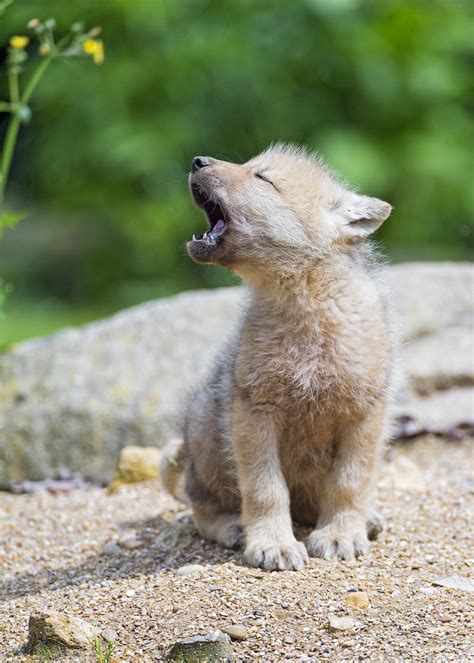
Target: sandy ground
{"type": "Point", "coordinates": [57, 551]}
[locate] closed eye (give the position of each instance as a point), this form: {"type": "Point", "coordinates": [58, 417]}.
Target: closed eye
{"type": "Point", "coordinates": [265, 179]}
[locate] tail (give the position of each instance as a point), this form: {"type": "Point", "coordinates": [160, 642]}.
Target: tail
{"type": "Point", "coordinates": [171, 469]}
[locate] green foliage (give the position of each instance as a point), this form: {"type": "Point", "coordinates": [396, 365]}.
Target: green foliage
{"type": "Point", "coordinates": [76, 42]}
{"type": "Point", "coordinates": [8, 219]}
{"type": "Point", "coordinates": [5, 291]}
{"type": "Point", "coordinates": [103, 651]}
{"type": "Point", "coordinates": [381, 88]}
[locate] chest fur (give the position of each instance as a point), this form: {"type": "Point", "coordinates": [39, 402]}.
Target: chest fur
{"type": "Point", "coordinates": [327, 357]}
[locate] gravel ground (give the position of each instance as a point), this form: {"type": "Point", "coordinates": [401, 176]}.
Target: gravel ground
{"type": "Point", "coordinates": [112, 560]}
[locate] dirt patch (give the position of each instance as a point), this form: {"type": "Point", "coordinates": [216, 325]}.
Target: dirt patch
{"type": "Point", "coordinates": [72, 553]}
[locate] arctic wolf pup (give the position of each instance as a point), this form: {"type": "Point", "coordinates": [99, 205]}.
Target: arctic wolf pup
{"type": "Point", "coordinates": [291, 422]}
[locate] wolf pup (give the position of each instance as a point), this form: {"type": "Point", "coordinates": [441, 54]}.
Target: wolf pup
{"type": "Point", "coordinates": [291, 422]}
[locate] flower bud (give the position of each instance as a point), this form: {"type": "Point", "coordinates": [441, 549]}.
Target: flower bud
{"type": "Point", "coordinates": [24, 114]}
{"type": "Point", "coordinates": [78, 26]}
{"type": "Point", "coordinates": [95, 32]}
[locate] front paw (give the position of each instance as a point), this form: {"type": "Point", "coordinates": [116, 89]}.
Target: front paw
{"type": "Point", "coordinates": [285, 556]}
{"type": "Point", "coordinates": [339, 540]}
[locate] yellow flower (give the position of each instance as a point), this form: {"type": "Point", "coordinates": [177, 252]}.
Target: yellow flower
{"type": "Point", "coordinates": [94, 47]}
{"type": "Point", "coordinates": [19, 42]}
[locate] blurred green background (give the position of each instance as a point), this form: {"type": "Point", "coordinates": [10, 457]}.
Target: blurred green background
{"type": "Point", "coordinates": [380, 87]}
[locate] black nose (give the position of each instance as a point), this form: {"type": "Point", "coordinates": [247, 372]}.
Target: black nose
{"type": "Point", "coordinates": [200, 162]}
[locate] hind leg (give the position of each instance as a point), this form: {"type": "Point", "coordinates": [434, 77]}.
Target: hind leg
{"type": "Point", "coordinates": [224, 528]}
{"type": "Point", "coordinates": [376, 524]}
{"type": "Point", "coordinates": [216, 519]}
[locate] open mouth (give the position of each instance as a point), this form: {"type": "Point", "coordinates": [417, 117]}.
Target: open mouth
{"type": "Point", "coordinates": [216, 217]}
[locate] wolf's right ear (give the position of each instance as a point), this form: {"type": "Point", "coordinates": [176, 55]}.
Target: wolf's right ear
{"type": "Point", "coordinates": [363, 215]}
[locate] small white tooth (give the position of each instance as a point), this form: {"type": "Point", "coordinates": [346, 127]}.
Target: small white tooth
{"type": "Point", "coordinates": [205, 235]}
{"type": "Point", "coordinates": [194, 238]}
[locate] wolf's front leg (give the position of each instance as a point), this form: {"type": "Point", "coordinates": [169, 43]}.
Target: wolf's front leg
{"type": "Point", "coordinates": [342, 526]}
{"type": "Point", "coordinates": [270, 542]}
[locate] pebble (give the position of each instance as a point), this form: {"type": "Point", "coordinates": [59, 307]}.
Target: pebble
{"type": "Point", "coordinates": [213, 646]}
{"type": "Point", "coordinates": [455, 582]}
{"type": "Point", "coordinates": [189, 569]}
{"type": "Point", "coordinates": [236, 631]}
{"type": "Point", "coordinates": [283, 614]}
{"type": "Point", "coordinates": [129, 541]}
{"type": "Point", "coordinates": [358, 600]}
{"type": "Point", "coordinates": [111, 549]}
{"type": "Point", "coordinates": [341, 623]}
{"type": "Point", "coordinates": [109, 635]}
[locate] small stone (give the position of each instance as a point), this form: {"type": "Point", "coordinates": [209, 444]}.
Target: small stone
{"type": "Point", "coordinates": [445, 618]}
{"type": "Point", "coordinates": [130, 593]}
{"type": "Point", "coordinates": [256, 573]}
{"type": "Point", "coordinates": [236, 631]}
{"type": "Point", "coordinates": [111, 549]}
{"type": "Point", "coordinates": [136, 464]}
{"type": "Point", "coordinates": [358, 600]}
{"type": "Point", "coordinates": [283, 614]}
{"type": "Point", "coordinates": [455, 582]}
{"type": "Point", "coordinates": [129, 541]}
{"type": "Point", "coordinates": [189, 569]}
{"type": "Point", "coordinates": [48, 627]}
{"type": "Point", "coordinates": [109, 635]}
{"type": "Point", "coordinates": [341, 623]}
{"type": "Point", "coordinates": [214, 647]}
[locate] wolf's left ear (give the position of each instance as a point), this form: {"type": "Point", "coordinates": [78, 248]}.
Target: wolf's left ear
{"type": "Point", "coordinates": [363, 215]}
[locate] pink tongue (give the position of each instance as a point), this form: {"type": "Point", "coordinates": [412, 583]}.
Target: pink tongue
{"type": "Point", "coordinates": [219, 225]}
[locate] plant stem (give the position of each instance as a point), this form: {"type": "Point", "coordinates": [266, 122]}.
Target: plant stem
{"type": "Point", "coordinates": [13, 86]}
{"type": "Point", "coordinates": [15, 121]}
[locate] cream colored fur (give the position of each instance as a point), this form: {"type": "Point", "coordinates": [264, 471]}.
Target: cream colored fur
{"type": "Point", "coordinates": [290, 424]}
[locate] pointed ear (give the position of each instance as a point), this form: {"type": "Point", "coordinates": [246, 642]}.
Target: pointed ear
{"type": "Point", "coordinates": [363, 215]}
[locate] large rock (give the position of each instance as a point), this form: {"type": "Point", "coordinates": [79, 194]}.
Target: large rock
{"type": "Point", "coordinates": [48, 628]}
{"type": "Point", "coordinates": [76, 398]}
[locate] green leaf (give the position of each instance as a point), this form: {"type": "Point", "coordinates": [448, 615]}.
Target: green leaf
{"type": "Point", "coordinates": [5, 4]}
{"type": "Point", "coordinates": [10, 219]}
